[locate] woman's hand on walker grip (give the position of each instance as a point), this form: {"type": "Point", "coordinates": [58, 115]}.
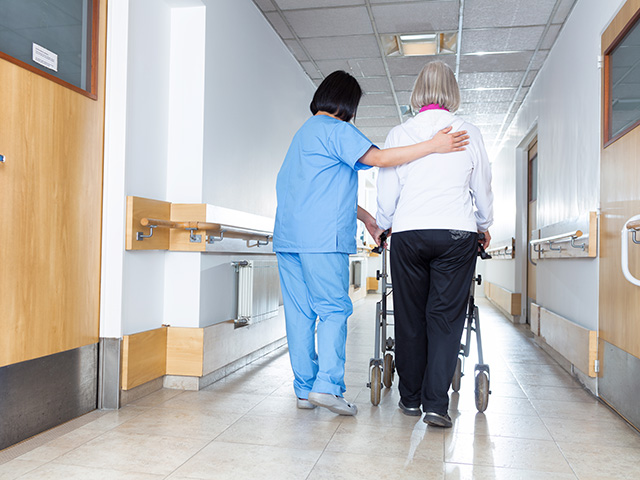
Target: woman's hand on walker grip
{"type": "Point", "coordinates": [445, 142]}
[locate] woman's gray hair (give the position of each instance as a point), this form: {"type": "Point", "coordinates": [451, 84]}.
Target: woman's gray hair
{"type": "Point", "coordinates": [436, 83]}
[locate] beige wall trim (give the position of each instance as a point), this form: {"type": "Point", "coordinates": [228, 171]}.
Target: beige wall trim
{"type": "Point", "coordinates": [509, 302]}
{"type": "Point", "coordinates": [144, 357]}
{"type": "Point", "coordinates": [534, 318]}
{"type": "Point", "coordinates": [194, 352]}
{"type": "Point", "coordinates": [577, 344]}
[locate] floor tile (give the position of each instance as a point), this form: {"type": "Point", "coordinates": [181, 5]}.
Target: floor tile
{"type": "Point", "coordinates": [598, 462]}
{"type": "Point", "coordinates": [280, 432]}
{"type": "Point", "coordinates": [421, 442]}
{"type": "Point", "coordinates": [454, 471]}
{"type": "Point", "coordinates": [523, 454]}
{"type": "Point", "coordinates": [53, 471]}
{"type": "Point", "coordinates": [222, 460]}
{"type": "Point", "coordinates": [381, 466]}
{"type": "Point", "coordinates": [134, 453]}
{"type": "Point", "coordinates": [15, 468]}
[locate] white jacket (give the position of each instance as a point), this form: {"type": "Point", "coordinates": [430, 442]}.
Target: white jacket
{"type": "Point", "coordinates": [449, 191]}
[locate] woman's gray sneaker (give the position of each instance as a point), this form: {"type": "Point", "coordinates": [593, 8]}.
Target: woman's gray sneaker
{"type": "Point", "coordinates": [333, 402]}
{"type": "Point", "coordinates": [305, 404]}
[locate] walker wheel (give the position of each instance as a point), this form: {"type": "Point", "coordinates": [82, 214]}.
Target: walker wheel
{"type": "Point", "coordinates": [388, 369]}
{"type": "Point", "coordinates": [457, 376]}
{"type": "Point", "coordinates": [482, 390]}
{"type": "Point", "coordinates": [376, 385]}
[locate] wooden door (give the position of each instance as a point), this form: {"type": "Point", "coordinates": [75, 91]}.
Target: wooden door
{"type": "Point", "coordinates": [50, 208]}
{"type": "Point", "coordinates": [532, 199]}
{"type": "Point", "coordinates": [619, 301]}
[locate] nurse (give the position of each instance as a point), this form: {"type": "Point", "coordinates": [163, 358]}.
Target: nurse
{"type": "Point", "coordinates": [315, 231]}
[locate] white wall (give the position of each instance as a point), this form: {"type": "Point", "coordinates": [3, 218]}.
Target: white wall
{"type": "Point", "coordinates": [564, 102]}
{"type": "Point", "coordinates": [246, 97]}
{"type": "Point", "coordinates": [257, 96]}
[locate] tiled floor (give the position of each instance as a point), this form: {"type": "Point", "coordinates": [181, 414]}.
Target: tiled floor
{"type": "Point", "coordinates": [540, 424]}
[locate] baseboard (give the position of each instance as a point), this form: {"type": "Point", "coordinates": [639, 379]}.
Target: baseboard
{"type": "Point", "coordinates": [509, 303]}
{"type": "Point", "coordinates": [45, 392]}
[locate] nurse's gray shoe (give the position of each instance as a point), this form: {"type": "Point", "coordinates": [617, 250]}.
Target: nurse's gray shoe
{"type": "Point", "coordinates": [333, 402]}
{"type": "Point", "coordinates": [305, 404]}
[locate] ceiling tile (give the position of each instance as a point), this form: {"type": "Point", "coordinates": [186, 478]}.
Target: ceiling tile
{"type": "Point", "coordinates": [297, 4]}
{"type": "Point", "coordinates": [404, 98]}
{"type": "Point", "coordinates": [366, 67]}
{"type": "Point", "coordinates": [489, 79]}
{"type": "Point", "coordinates": [377, 111]}
{"type": "Point", "coordinates": [279, 25]}
{"type": "Point", "coordinates": [530, 78]}
{"type": "Point", "coordinates": [331, 48]}
{"type": "Point", "coordinates": [501, 39]}
{"type": "Point", "coordinates": [370, 99]}
{"type": "Point", "coordinates": [563, 11]}
{"type": "Point", "coordinates": [484, 119]}
{"type": "Point", "coordinates": [297, 51]}
{"type": "Point", "coordinates": [413, 65]}
{"type": "Point", "coordinates": [311, 70]}
{"type": "Point", "coordinates": [502, 62]}
{"type": "Point", "coordinates": [521, 94]}
{"type": "Point", "coordinates": [430, 16]}
{"type": "Point", "coordinates": [265, 5]}
{"type": "Point", "coordinates": [484, 107]}
{"type": "Point", "coordinates": [377, 132]}
{"type": "Point", "coordinates": [329, 22]}
{"type": "Point", "coordinates": [484, 96]}
{"type": "Point", "coordinates": [550, 37]}
{"type": "Point", "coordinates": [506, 13]}
{"type": "Point", "coordinates": [538, 59]}
{"type": "Point", "coordinates": [404, 82]}
{"type": "Point", "coordinates": [375, 84]}
{"type": "Point", "coordinates": [329, 66]}
{"type": "Point", "coordinates": [388, 122]}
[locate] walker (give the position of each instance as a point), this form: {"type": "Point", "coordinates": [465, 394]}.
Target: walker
{"type": "Point", "coordinates": [382, 364]}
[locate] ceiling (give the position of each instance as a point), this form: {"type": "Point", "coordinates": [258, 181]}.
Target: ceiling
{"type": "Point", "coordinates": [504, 43]}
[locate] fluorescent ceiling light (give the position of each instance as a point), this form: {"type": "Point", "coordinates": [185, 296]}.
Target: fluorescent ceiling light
{"type": "Point", "coordinates": [479, 54]}
{"type": "Point", "coordinates": [417, 44]}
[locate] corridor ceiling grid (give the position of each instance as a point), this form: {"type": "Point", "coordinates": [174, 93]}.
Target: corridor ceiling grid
{"type": "Point", "coordinates": [503, 45]}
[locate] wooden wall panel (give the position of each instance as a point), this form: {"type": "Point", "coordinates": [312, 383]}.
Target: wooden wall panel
{"type": "Point", "coordinates": [508, 301]}
{"type": "Point", "coordinates": [185, 351]}
{"type": "Point", "coordinates": [139, 208]}
{"type": "Point", "coordinates": [534, 319]}
{"type": "Point", "coordinates": [619, 301]}
{"type": "Point", "coordinates": [574, 342]}
{"type": "Point", "coordinates": [51, 206]}
{"type": "Point", "coordinates": [144, 357]}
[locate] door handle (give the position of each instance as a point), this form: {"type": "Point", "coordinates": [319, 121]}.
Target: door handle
{"type": "Point", "coordinates": [630, 226]}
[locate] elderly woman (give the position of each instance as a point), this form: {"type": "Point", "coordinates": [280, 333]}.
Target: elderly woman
{"type": "Point", "coordinates": [436, 206]}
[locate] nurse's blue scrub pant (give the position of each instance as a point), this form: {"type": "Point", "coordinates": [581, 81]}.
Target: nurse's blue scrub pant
{"type": "Point", "coordinates": [316, 285]}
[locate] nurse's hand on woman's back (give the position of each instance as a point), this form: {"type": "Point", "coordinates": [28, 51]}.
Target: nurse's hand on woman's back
{"type": "Point", "coordinates": [445, 142]}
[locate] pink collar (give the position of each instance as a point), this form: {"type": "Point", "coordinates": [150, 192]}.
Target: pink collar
{"type": "Point", "coordinates": [432, 106]}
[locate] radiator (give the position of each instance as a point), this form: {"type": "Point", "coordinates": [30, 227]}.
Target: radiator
{"type": "Point", "coordinates": [258, 291]}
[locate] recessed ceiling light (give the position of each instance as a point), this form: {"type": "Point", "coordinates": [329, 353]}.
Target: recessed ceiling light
{"type": "Point", "coordinates": [417, 44]}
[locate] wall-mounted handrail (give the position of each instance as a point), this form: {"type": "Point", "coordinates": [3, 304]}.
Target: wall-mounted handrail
{"type": "Point", "coordinates": [631, 226]}
{"type": "Point", "coordinates": [215, 231]}
{"type": "Point", "coordinates": [505, 250]}
{"type": "Point", "coordinates": [555, 238]}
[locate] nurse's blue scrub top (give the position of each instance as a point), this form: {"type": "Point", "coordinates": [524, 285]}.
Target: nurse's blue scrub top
{"type": "Point", "coordinates": [317, 188]}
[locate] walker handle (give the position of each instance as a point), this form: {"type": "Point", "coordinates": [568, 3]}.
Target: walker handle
{"type": "Point", "coordinates": [481, 253]}
{"type": "Point", "coordinates": [383, 238]}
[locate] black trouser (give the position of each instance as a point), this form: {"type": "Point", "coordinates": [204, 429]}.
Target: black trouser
{"type": "Point", "coordinates": [432, 272]}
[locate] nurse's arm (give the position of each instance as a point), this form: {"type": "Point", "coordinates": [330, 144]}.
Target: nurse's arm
{"type": "Point", "coordinates": [370, 223]}
{"type": "Point", "coordinates": [441, 142]}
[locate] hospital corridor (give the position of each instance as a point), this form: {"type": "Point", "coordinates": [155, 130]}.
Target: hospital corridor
{"type": "Point", "coordinates": [320, 239]}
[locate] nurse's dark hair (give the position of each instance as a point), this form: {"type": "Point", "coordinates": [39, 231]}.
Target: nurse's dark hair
{"type": "Point", "coordinates": [339, 94]}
